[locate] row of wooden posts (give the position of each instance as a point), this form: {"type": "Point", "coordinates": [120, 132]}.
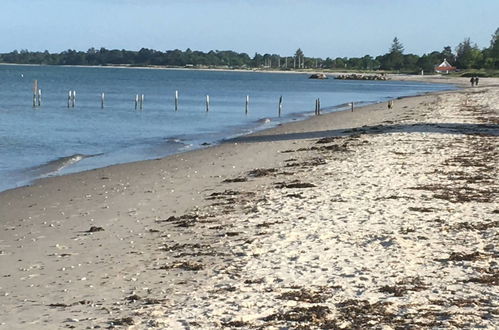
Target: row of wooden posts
{"type": "Point", "coordinates": [139, 101]}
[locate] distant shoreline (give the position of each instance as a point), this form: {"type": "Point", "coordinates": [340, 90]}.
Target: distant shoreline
{"type": "Point", "coordinates": [434, 78]}
{"type": "Point", "coordinates": [151, 67]}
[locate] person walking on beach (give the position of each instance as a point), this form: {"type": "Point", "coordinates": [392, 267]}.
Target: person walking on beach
{"type": "Point", "coordinates": [476, 81]}
{"type": "Point", "coordinates": [472, 81]}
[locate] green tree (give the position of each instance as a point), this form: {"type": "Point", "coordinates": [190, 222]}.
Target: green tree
{"type": "Point", "coordinates": [328, 63]}
{"type": "Point", "coordinates": [299, 58]}
{"type": "Point", "coordinates": [257, 60]}
{"type": "Point", "coordinates": [340, 63]}
{"type": "Point", "coordinates": [467, 55]}
{"type": "Point", "coordinates": [410, 63]}
{"type": "Point", "coordinates": [448, 55]}
{"type": "Point", "coordinates": [394, 59]}
{"type": "Point", "coordinates": [492, 57]}
{"type": "Point", "coordinates": [396, 47]}
{"type": "Point", "coordinates": [427, 62]}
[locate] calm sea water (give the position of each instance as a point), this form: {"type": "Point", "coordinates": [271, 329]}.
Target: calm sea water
{"type": "Point", "coordinates": [53, 139]}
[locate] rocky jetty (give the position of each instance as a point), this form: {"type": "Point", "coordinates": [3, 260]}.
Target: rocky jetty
{"type": "Point", "coordinates": [318, 76]}
{"type": "Point", "coordinates": [356, 76]}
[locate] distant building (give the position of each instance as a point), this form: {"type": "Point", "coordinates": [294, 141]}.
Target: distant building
{"type": "Point", "coordinates": [445, 67]}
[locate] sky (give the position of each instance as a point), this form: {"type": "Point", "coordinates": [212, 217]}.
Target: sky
{"type": "Point", "coordinates": [321, 28]}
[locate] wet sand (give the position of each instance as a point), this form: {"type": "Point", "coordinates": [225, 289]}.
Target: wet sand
{"type": "Point", "coordinates": [377, 217]}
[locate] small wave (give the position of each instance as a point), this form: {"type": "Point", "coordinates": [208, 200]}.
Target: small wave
{"type": "Point", "coordinates": [264, 120]}
{"type": "Point", "coordinates": [174, 140]}
{"type": "Point", "coordinates": [57, 165]}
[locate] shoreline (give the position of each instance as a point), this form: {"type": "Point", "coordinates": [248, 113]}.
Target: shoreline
{"type": "Point", "coordinates": [305, 116]}
{"type": "Point", "coordinates": [220, 236]}
{"type": "Point", "coordinates": [432, 78]}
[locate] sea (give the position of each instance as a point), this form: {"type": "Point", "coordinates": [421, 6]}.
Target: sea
{"type": "Point", "coordinates": [54, 139]}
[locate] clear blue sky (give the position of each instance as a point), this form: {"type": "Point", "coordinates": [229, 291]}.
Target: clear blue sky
{"type": "Point", "coordinates": [322, 28]}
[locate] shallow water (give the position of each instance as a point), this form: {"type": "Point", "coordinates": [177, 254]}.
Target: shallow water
{"type": "Point", "coordinates": [54, 139]}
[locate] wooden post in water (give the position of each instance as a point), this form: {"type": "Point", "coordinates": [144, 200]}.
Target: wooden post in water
{"type": "Point", "coordinates": [35, 91]}
{"type": "Point", "coordinates": [176, 100]}
{"type": "Point", "coordinates": [207, 103]}
{"type": "Point", "coordinates": [247, 105]}
{"type": "Point", "coordinates": [102, 101]}
{"type": "Point", "coordinates": [352, 105]}
{"type": "Point", "coordinates": [280, 105]}
{"type": "Point", "coordinates": [136, 100]}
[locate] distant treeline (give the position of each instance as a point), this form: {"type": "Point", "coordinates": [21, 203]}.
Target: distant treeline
{"type": "Point", "coordinates": [466, 56]}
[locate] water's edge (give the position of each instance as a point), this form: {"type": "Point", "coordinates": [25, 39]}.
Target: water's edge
{"type": "Point", "coordinates": [66, 165]}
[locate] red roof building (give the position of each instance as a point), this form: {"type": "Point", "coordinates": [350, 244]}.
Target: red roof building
{"type": "Point", "coordinates": [445, 67]}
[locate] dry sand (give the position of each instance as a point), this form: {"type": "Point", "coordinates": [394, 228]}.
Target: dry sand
{"type": "Point", "coordinates": [373, 219]}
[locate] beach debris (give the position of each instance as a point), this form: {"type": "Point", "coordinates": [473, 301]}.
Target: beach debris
{"type": "Point", "coordinates": [305, 295]}
{"type": "Point", "coordinates": [95, 229]}
{"type": "Point", "coordinates": [480, 226]}
{"type": "Point", "coordinates": [461, 256]}
{"type": "Point", "coordinates": [294, 185]}
{"type": "Point", "coordinates": [404, 286]}
{"type": "Point", "coordinates": [259, 172]}
{"type": "Point", "coordinates": [153, 301]}
{"type": "Point", "coordinates": [236, 324]}
{"type": "Point", "coordinates": [333, 147]}
{"type": "Point", "coordinates": [393, 197]}
{"type": "Point", "coordinates": [122, 321]}
{"type": "Point", "coordinates": [489, 279]}
{"type": "Point", "coordinates": [224, 288]}
{"type": "Point", "coordinates": [58, 305]}
{"type": "Point", "coordinates": [186, 220]}
{"type": "Point", "coordinates": [422, 209]}
{"type": "Point", "coordinates": [186, 246]}
{"type": "Point", "coordinates": [311, 163]}
{"type": "Point", "coordinates": [361, 314]}
{"type": "Point", "coordinates": [267, 224]}
{"type": "Point", "coordinates": [63, 305]}
{"type": "Point", "coordinates": [133, 298]}
{"type": "Point", "coordinates": [329, 139]}
{"type": "Point", "coordinates": [235, 180]}
{"type": "Point", "coordinates": [316, 315]}
{"type": "Point", "coordinates": [230, 234]}
{"type": "Point", "coordinates": [255, 281]}
{"type": "Point", "coordinates": [224, 194]}
{"type": "Point", "coordinates": [146, 301]}
{"type": "Point", "coordinates": [183, 265]}
{"type": "Point", "coordinates": [458, 194]}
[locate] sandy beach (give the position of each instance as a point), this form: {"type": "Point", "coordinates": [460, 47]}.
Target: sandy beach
{"type": "Point", "coordinates": [378, 218]}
